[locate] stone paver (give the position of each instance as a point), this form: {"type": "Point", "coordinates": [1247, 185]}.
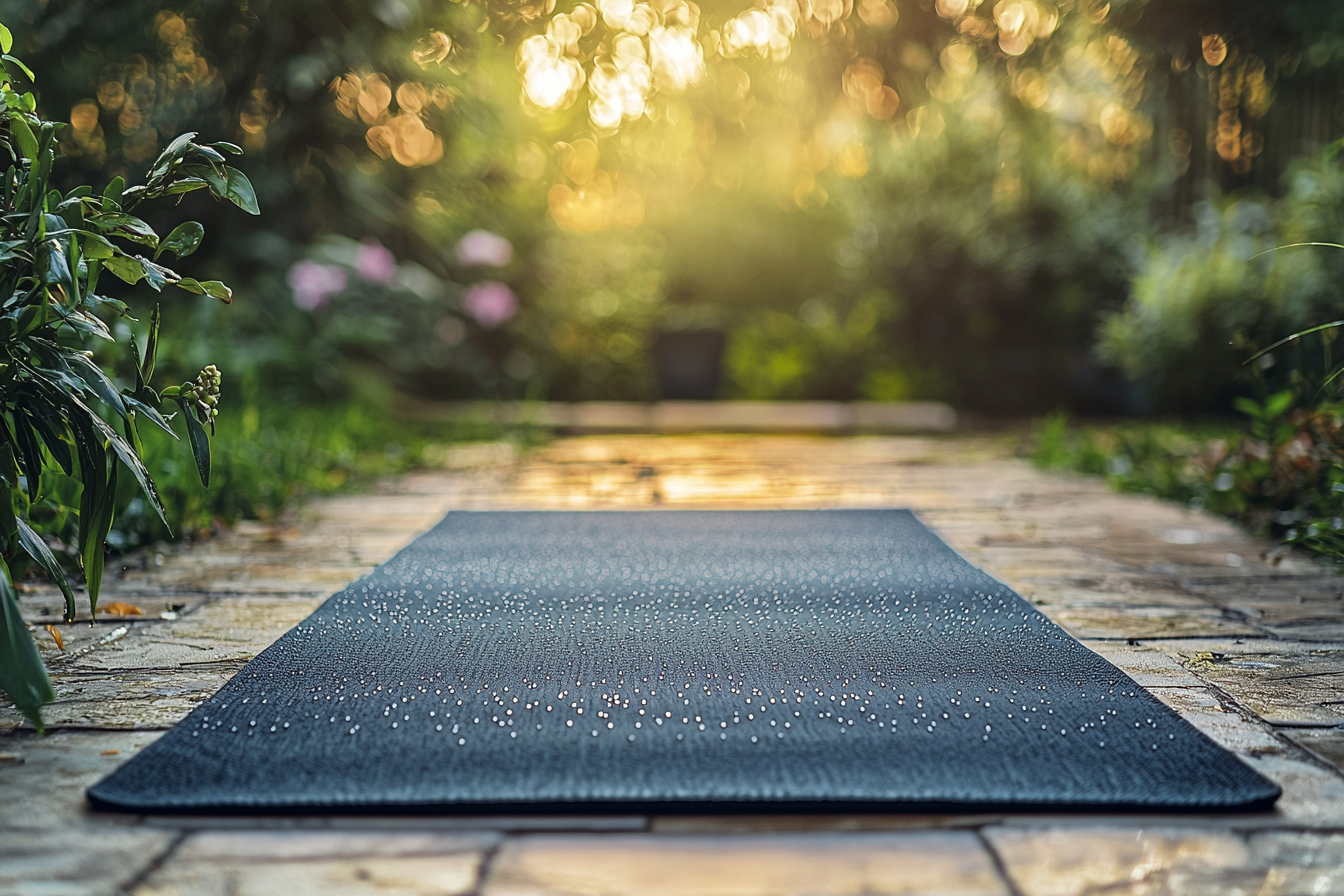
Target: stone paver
{"type": "Point", "coordinates": [921, 862]}
{"type": "Point", "coordinates": [326, 863]}
{"type": "Point", "coordinates": [1147, 861]}
{"type": "Point", "coordinates": [1244, 642]}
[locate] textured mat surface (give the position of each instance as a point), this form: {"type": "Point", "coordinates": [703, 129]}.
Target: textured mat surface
{"type": "Point", "coordinates": [799, 658]}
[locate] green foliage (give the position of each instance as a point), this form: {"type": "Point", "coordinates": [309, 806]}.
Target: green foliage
{"type": "Point", "coordinates": [1000, 258]}
{"type": "Point", "coordinates": [822, 351]}
{"type": "Point", "coordinates": [1053, 447]}
{"type": "Point", "coordinates": [588, 329]}
{"type": "Point", "coordinates": [260, 72]}
{"type": "Point", "coordinates": [994, 288]}
{"type": "Point", "coordinates": [267, 457]}
{"type": "Point", "coordinates": [54, 398]}
{"type": "Point", "coordinates": [1198, 311]}
{"type": "Point", "coordinates": [1181, 462]}
{"type": "Point", "coordinates": [1249, 273]}
{"type": "Point", "coordinates": [1284, 479]}
{"type": "Point", "coordinates": [1204, 299]}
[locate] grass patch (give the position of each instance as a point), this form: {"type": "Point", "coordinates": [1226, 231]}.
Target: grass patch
{"type": "Point", "coordinates": [1283, 479]}
{"type": "Point", "coordinates": [266, 461]}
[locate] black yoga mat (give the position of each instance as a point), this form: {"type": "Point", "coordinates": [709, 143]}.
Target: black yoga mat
{"type": "Point", "coordinates": [678, 659]}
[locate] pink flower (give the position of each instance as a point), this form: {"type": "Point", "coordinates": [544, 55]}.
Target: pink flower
{"type": "Point", "coordinates": [490, 303]}
{"type": "Point", "coordinates": [375, 263]}
{"type": "Point", "coordinates": [314, 283]}
{"type": "Point", "coordinates": [484, 247]}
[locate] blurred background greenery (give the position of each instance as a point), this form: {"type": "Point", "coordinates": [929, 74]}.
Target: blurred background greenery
{"type": "Point", "coordinates": [1011, 205]}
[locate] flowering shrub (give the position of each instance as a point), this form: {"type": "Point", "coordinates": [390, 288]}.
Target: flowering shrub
{"type": "Point", "coordinates": [490, 303]}
{"type": "Point", "coordinates": [55, 401]}
{"type": "Point", "coordinates": [315, 283]}
{"type": "Point", "coordinates": [368, 311]}
{"type": "Point", "coordinates": [481, 247]}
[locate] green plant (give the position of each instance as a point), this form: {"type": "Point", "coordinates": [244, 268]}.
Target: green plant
{"type": "Point", "coordinates": [998, 258]}
{"type": "Point", "coordinates": [54, 398]}
{"type": "Point", "coordinates": [1202, 298]}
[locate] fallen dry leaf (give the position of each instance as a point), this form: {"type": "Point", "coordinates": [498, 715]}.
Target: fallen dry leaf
{"type": "Point", "coordinates": [117, 608]}
{"type": "Point", "coordinates": [56, 636]}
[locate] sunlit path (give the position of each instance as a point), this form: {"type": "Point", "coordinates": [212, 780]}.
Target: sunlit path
{"type": "Point", "coordinates": [1181, 601]}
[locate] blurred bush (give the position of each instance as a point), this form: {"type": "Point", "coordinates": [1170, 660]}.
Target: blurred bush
{"type": "Point", "coordinates": [1205, 300]}
{"type": "Point", "coordinates": [882, 199]}
{"type": "Point", "coordinates": [864, 207]}
{"type": "Point", "coordinates": [264, 74]}
{"type": "Point", "coordinates": [1000, 258]}
{"type": "Point", "coordinates": [1281, 474]}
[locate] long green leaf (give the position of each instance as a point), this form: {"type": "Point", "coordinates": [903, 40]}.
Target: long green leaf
{"type": "Point", "coordinates": [1298, 335]}
{"type": "Point", "coordinates": [9, 468]}
{"type": "Point", "coordinates": [22, 675]}
{"type": "Point", "coordinates": [30, 453]}
{"type": "Point", "coordinates": [97, 380]}
{"type": "Point", "coordinates": [93, 546]}
{"type": "Point", "coordinates": [19, 130]}
{"type": "Point", "coordinates": [1298, 246]}
{"type": "Point", "coordinates": [200, 444]}
{"type": "Point", "coordinates": [150, 412]}
{"type": "Point", "coordinates": [151, 345]}
{"type": "Point", "coordinates": [21, 67]}
{"type": "Point", "coordinates": [1334, 375]}
{"type": "Point", "coordinates": [9, 520]}
{"type": "Point", "coordinates": [44, 421]}
{"type": "Point", "coordinates": [106, 435]}
{"type": "Point", "coordinates": [93, 476]}
{"type": "Point", "coordinates": [36, 548]}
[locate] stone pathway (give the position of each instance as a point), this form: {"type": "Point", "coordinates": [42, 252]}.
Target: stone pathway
{"type": "Point", "coordinates": [1244, 641]}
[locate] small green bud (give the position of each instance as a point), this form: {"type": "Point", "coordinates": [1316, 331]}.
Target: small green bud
{"type": "Point", "coordinates": [201, 394]}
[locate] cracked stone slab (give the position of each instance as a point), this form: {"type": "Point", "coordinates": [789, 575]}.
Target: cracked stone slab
{"type": "Point", "coordinates": [77, 863]}
{"type": "Point", "coordinates": [814, 823]}
{"type": "Point", "coordinates": [1327, 744]}
{"type": "Point", "coordinates": [327, 863]}
{"type": "Point", "coordinates": [1312, 795]}
{"type": "Point", "coordinates": [159, 670]}
{"type": "Point", "coordinates": [1310, 607]}
{"type": "Point", "coordinates": [1145, 621]}
{"type": "Point", "coordinates": [149, 700]}
{"type": "Point", "coordinates": [924, 862]}
{"type": "Point", "coordinates": [225, 630]}
{"type": "Point", "coordinates": [1148, 667]}
{"type": "Point", "coordinates": [1027, 563]}
{"type": "Point", "coordinates": [1146, 861]}
{"type": "Point", "coordinates": [44, 605]}
{"type": "Point", "coordinates": [1124, 607]}
{"type": "Point", "coordinates": [1204, 709]}
{"type": "Point", "coordinates": [1289, 683]}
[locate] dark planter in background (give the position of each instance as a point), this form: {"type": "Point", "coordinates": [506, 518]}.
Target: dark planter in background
{"type": "Point", "coordinates": [689, 364]}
